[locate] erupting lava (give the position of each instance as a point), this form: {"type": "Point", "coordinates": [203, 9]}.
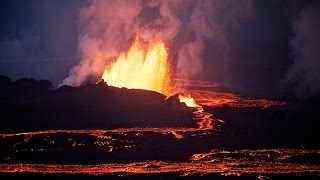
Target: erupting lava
{"type": "Point", "coordinates": [190, 102]}
{"type": "Point", "coordinates": [141, 69]}
{"type": "Point", "coordinates": [150, 69]}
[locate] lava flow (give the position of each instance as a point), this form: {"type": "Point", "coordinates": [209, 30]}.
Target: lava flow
{"type": "Point", "coordinates": [222, 162]}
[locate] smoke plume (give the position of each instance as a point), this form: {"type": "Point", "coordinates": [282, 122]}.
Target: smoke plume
{"type": "Point", "coordinates": [108, 27]}
{"type": "Point", "coordinates": [305, 71]}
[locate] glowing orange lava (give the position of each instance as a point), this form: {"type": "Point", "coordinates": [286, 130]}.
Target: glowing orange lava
{"type": "Point", "coordinates": [239, 162]}
{"type": "Point", "coordinates": [188, 100]}
{"type": "Point", "coordinates": [141, 69]}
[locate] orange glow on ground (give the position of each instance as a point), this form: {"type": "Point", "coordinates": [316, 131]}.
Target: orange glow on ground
{"type": "Point", "coordinates": [238, 163]}
{"type": "Point", "coordinates": [141, 69]}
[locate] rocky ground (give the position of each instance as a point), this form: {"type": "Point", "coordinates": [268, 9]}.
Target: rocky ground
{"type": "Point", "coordinates": [108, 132]}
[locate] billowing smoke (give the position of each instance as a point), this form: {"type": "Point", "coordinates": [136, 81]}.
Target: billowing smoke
{"type": "Point", "coordinates": [108, 27]}
{"type": "Point", "coordinates": [305, 71]}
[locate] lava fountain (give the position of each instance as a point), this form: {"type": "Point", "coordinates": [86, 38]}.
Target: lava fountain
{"type": "Point", "coordinates": [142, 68]}
{"type": "Point", "coordinates": [188, 100]}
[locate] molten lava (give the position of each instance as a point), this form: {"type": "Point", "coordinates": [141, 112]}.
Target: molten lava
{"type": "Point", "coordinates": [189, 101]}
{"type": "Point", "coordinates": [141, 68]}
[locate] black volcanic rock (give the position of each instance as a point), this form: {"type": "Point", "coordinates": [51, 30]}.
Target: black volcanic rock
{"type": "Point", "coordinates": [44, 85]}
{"type": "Point", "coordinates": [4, 82]}
{"type": "Point", "coordinates": [31, 105]}
{"type": "Point", "coordinates": [65, 89]}
{"type": "Point", "coordinates": [293, 125]}
{"type": "Point", "coordinates": [173, 101]}
{"type": "Point", "coordinates": [25, 83]}
{"type": "Point", "coordinates": [23, 90]}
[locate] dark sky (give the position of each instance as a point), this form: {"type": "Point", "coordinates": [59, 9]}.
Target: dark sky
{"type": "Point", "coordinates": [34, 33]}
{"type": "Point", "coordinates": [38, 38]}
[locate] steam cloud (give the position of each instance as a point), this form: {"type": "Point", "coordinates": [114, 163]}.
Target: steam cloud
{"type": "Point", "coordinates": [305, 71]}
{"type": "Point", "coordinates": [108, 27]}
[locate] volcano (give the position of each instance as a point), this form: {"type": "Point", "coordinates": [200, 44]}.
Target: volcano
{"type": "Point", "coordinates": [159, 89]}
{"type": "Point", "coordinates": [139, 120]}
{"type": "Point", "coordinates": [117, 130]}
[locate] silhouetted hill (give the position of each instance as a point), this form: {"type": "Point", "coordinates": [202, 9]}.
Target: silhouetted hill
{"type": "Point", "coordinates": [28, 104]}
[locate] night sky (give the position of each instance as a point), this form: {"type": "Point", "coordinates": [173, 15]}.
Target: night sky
{"type": "Point", "coordinates": [39, 39]}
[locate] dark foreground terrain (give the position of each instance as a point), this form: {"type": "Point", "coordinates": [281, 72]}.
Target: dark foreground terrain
{"type": "Point", "coordinates": [100, 132]}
